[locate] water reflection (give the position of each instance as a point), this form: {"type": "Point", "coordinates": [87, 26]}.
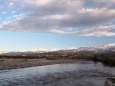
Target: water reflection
{"type": "Point", "coordinates": [101, 67]}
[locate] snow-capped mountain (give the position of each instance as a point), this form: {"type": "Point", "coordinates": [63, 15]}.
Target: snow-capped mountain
{"type": "Point", "coordinates": [104, 48]}
{"type": "Point", "coordinates": [3, 52]}
{"type": "Point", "coordinates": [108, 47]}
{"type": "Point", "coordinates": [99, 49]}
{"type": "Point", "coordinates": [40, 50]}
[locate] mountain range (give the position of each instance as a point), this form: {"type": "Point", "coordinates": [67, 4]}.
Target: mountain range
{"type": "Point", "coordinates": [99, 49]}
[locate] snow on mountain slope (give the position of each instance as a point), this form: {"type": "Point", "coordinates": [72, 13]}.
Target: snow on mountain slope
{"type": "Point", "coordinates": [108, 47]}
{"type": "Point", "coordinates": [3, 52]}
{"type": "Point", "coordinates": [40, 50]}
{"type": "Point", "coordinates": [104, 48]}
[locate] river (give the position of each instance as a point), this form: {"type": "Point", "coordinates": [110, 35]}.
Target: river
{"type": "Point", "coordinates": [27, 76]}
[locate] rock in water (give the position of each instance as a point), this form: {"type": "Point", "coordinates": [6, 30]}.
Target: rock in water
{"type": "Point", "coordinates": [110, 81]}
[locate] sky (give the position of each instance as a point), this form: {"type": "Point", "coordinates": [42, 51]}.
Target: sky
{"type": "Point", "coordinates": [34, 24]}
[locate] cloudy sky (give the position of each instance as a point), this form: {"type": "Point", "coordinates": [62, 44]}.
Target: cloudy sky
{"type": "Point", "coordinates": [30, 24]}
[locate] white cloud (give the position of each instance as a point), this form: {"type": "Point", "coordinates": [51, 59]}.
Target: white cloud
{"type": "Point", "coordinates": [97, 31]}
{"type": "Point", "coordinates": [11, 4]}
{"type": "Point", "coordinates": [38, 2]}
{"type": "Point", "coordinates": [4, 12]}
{"type": "Point", "coordinates": [78, 17]}
{"type": "Point", "coordinates": [14, 12]}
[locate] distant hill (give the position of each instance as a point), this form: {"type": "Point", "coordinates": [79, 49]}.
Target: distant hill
{"type": "Point", "coordinates": [100, 49]}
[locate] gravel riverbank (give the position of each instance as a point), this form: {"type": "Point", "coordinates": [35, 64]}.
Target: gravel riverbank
{"type": "Point", "coordinates": [23, 63]}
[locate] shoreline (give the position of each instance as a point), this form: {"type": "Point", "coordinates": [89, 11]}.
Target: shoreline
{"type": "Point", "coordinates": [7, 64]}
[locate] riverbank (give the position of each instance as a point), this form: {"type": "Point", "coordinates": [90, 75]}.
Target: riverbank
{"type": "Point", "coordinates": [23, 63]}
{"type": "Point", "coordinates": [106, 58]}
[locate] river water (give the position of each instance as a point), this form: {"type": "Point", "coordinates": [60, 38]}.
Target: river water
{"type": "Point", "coordinates": [23, 74]}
